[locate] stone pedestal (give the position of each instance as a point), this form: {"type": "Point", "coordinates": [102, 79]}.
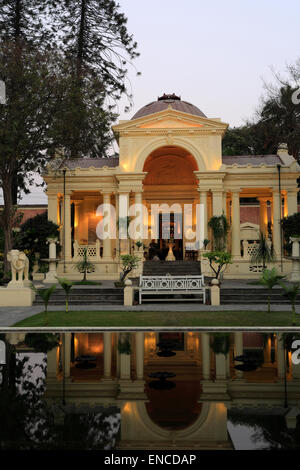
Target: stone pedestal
{"type": "Point", "coordinates": [51, 274]}
{"type": "Point", "coordinates": [215, 292]}
{"type": "Point", "coordinates": [128, 293]}
{"type": "Point", "coordinates": [16, 296]}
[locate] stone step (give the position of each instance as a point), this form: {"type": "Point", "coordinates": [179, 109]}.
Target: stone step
{"type": "Point", "coordinates": [254, 296]}
{"type": "Point", "coordinates": [175, 268]}
{"type": "Point", "coordinates": [87, 296]}
{"type": "Point", "coordinates": [80, 302]}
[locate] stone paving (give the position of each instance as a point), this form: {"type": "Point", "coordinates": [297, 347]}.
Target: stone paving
{"type": "Point", "coordinates": [11, 315]}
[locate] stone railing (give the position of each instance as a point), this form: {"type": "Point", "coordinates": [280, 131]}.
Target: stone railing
{"type": "Point", "coordinates": [249, 249]}
{"type": "Point", "coordinates": [93, 251]}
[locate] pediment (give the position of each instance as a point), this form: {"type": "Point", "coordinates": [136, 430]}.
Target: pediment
{"type": "Point", "coordinates": [170, 119]}
{"type": "Point", "coordinates": [169, 124]}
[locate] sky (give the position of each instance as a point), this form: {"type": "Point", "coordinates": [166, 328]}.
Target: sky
{"type": "Point", "coordinates": [215, 55]}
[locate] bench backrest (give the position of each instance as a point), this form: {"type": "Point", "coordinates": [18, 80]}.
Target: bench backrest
{"type": "Point", "coordinates": [176, 283]}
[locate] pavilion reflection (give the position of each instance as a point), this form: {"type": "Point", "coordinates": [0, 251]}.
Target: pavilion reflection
{"type": "Point", "coordinates": [88, 371]}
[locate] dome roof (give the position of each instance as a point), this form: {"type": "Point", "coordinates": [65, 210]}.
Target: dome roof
{"type": "Point", "coordinates": [163, 102]}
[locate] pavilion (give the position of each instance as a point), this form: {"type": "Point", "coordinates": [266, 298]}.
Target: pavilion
{"type": "Point", "coordinates": [170, 153]}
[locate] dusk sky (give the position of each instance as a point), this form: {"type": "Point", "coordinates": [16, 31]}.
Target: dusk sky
{"type": "Point", "coordinates": [213, 54]}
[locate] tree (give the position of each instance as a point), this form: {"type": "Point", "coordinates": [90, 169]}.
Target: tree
{"type": "Point", "coordinates": [129, 262]}
{"type": "Point", "coordinates": [45, 294]}
{"type": "Point", "coordinates": [33, 236]}
{"type": "Point", "coordinates": [56, 102]}
{"type": "Point", "coordinates": [290, 228]}
{"type": "Point", "coordinates": [269, 279]}
{"type": "Point", "coordinates": [264, 253]}
{"type": "Point", "coordinates": [217, 261]}
{"type": "Point", "coordinates": [67, 285]}
{"type": "Point", "coordinates": [253, 138]}
{"type": "Point", "coordinates": [33, 89]}
{"type": "Point", "coordinates": [98, 49]}
{"type": "Point", "coordinates": [94, 33]}
{"type": "Point", "coordinates": [291, 292]}
{"type": "Point", "coordinates": [280, 116]}
{"type": "Point", "coordinates": [42, 342]}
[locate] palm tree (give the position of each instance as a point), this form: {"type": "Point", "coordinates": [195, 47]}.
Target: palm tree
{"type": "Point", "coordinates": [85, 266]}
{"type": "Point", "coordinates": [264, 253]}
{"type": "Point", "coordinates": [291, 292]}
{"type": "Point", "coordinates": [269, 279]}
{"type": "Point", "coordinates": [66, 284]}
{"type": "Point", "coordinates": [45, 294]}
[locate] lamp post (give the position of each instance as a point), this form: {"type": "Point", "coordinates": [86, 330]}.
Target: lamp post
{"type": "Point", "coordinates": [64, 231]}
{"type": "Point", "coordinates": [280, 214]}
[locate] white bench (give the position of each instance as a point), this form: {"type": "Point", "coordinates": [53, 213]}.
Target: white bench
{"type": "Point", "coordinates": [161, 285]}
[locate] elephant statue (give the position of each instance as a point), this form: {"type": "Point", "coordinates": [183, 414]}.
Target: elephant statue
{"type": "Point", "coordinates": [19, 265]}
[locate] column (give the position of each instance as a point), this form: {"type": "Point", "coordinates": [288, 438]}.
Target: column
{"type": "Point", "coordinates": [268, 350]}
{"type": "Point", "coordinates": [217, 202]}
{"type": "Point", "coordinates": [235, 226]}
{"type": "Point", "coordinates": [52, 364]}
{"type": "Point", "coordinates": [107, 214]}
{"type": "Point", "coordinates": [292, 201]}
{"type": "Point", "coordinates": [52, 207]}
{"type": "Point", "coordinates": [107, 354]}
{"type": "Point", "coordinates": [117, 227]}
{"type": "Point", "coordinates": [139, 214]}
{"type": "Point", "coordinates": [280, 356]}
{"type": "Point", "coordinates": [225, 204]}
{"type": "Point", "coordinates": [203, 201]}
{"type": "Point", "coordinates": [205, 356]}
{"type": "Point", "coordinates": [239, 350]}
{"type": "Point", "coordinates": [122, 222]}
{"type": "Point", "coordinates": [67, 354]}
{"type": "Point", "coordinates": [76, 219]}
{"type": "Point", "coordinates": [221, 366]}
{"type": "Point", "coordinates": [263, 215]}
{"type": "Point", "coordinates": [276, 223]}
{"type": "Point", "coordinates": [139, 342]}
{"type": "Point", "coordinates": [67, 226]}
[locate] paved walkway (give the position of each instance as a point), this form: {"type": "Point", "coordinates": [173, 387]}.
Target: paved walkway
{"type": "Point", "coordinates": [11, 315]}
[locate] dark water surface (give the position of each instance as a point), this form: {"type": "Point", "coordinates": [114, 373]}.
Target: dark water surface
{"type": "Point", "coordinates": [149, 391]}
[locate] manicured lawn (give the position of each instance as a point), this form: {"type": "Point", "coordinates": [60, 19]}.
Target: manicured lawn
{"type": "Point", "coordinates": [115, 318]}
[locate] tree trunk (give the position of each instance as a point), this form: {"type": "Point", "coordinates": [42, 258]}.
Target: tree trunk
{"type": "Point", "coordinates": [7, 219]}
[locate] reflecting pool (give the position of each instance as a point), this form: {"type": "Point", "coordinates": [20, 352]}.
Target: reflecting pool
{"type": "Point", "coordinates": [150, 390]}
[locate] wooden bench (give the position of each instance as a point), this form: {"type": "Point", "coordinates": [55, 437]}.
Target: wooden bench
{"type": "Point", "coordinates": [172, 285]}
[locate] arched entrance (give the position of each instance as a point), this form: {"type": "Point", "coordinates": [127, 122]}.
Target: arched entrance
{"type": "Point", "coordinates": [170, 180]}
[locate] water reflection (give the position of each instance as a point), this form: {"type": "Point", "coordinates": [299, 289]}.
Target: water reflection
{"type": "Point", "coordinates": [116, 390]}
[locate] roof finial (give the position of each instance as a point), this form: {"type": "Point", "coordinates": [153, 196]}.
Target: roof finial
{"type": "Point", "coordinates": [169, 96]}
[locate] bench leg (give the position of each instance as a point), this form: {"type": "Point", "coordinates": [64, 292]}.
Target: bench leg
{"type": "Point", "coordinates": [140, 297]}
{"type": "Point", "coordinates": [204, 298]}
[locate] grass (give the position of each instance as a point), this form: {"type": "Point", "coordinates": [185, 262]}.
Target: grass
{"type": "Point", "coordinates": [139, 318]}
